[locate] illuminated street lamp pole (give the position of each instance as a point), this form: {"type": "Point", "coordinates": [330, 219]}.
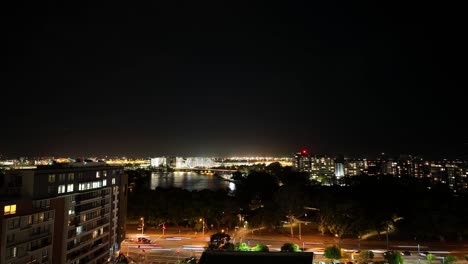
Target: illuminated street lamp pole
{"type": "Point", "coordinates": [203, 225]}
{"type": "Point", "coordinates": [388, 230]}
{"type": "Point", "coordinates": [300, 238]}
{"type": "Point", "coordinates": [142, 224]}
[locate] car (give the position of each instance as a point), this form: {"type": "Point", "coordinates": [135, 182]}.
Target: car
{"type": "Point", "coordinates": [144, 240]}
{"type": "Point", "coordinates": [406, 253]}
{"type": "Point", "coordinates": [423, 254]}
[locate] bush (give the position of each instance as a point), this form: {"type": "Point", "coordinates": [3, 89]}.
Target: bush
{"type": "Point", "coordinates": [393, 257]}
{"type": "Point", "coordinates": [261, 248]}
{"type": "Point", "coordinates": [228, 247]}
{"type": "Point", "coordinates": [218, 240]}
{"type": "Point", "coordinates": [466, 257]}
{"type": "Point", "coordinates": [450, 258]}
{"type": "Point", "coordinates": [365, 256]}
{"type": "Point", "coordinates": [430, 257]}
{"type": "Point", "coordinates": [290, 247]}
{"type": "Point", "coordinates": [242, 247]}
{"type": "Point", "coordinates": [332, 252]}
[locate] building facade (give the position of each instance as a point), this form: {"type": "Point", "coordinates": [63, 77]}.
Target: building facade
{"type": "Point", "coordinates": [64, 213]}
{"type": "Point", "coordinates": [302, 161]}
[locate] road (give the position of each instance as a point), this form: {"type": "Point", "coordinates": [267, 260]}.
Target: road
{"type": "Point", "coordinates": [177, 244]}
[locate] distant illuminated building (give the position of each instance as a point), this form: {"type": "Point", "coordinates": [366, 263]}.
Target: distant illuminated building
{"type": "Point", "coordinates": [323, 167]}
{"type": "Point", "coordinates": [339, 167]}
{"type": "Point", "coordinates": [355, 167]}
{"type": "Point", "coordinates": [156, 162]}
{"type": "Point", "coordinates": [302, 161]}
{"type": "Point", "coordinates": [180, 162]}
{"type": "Point", "coordinates": [196, 162]}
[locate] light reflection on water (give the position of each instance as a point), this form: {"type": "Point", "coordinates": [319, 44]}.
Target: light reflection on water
{"type": "Point", "coordinates": [189, 181]}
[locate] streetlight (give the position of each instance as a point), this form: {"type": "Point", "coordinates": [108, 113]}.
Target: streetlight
{"type": "Point", "coordinates": [300, 222]}
{"type": "Point", "coordinates": [300, 237]}
{"type": "Point", "coordinates": [391, 226]}
{"type": "Point", "coordinates": [203, 223]}
{"type": "Point", "coordinates": [142, 224]}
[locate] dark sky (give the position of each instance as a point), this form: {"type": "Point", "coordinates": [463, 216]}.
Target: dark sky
{"type": "Point", "coordinates": [233, 78]}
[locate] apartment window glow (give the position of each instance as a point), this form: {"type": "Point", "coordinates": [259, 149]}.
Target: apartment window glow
{"type": "Point", "coordinates": [9, 209]}
{"type": "Point", "coordinates": [61, 189]}
{"type": "Point", "coordinates": [104, 182]}
{"type": "Point", "coordinates": [91, 185]}
{"type": "Point", "coordinates": [51, 178]}
{"type": "Point", "coordinates": [70, 188]}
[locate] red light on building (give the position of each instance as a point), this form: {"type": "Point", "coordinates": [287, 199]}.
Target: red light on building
{"type": "Point", "coordinates": [304, 152]}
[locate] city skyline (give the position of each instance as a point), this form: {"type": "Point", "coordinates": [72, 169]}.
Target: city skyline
{"type": "Point", "coordinates": [141, 160]}
{"type": "Point", "coordinates": [221, 79]}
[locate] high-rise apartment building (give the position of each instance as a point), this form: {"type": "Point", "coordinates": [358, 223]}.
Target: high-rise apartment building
{"type": "Point", "coordinates": [64, 213]}
{"type": "Point", "coordinates": [302, 161]}
{"type": "Point", "coordinates": [323, 167]}
{"type": "Point", "coordinates": [355, 166]}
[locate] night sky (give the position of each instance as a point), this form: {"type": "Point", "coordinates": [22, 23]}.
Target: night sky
{"type": "Point", "coordinates": [233, 78]}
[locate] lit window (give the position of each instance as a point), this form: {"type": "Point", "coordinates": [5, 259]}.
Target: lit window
{"type": "Point", "coordinates": [9, 209]}
{"type": "Point", "coordinates": [97, 174]}
{"type": "Point", "coordinates": [113, 180]}
{"type": "Point", "coordinates": [70, 188]}
{"type": "Point", "coordinates": [51, 178]}
{"type": "Point", "coordinates": [104, 182]}
{"type": "Point", "coordinates": [61, 189]}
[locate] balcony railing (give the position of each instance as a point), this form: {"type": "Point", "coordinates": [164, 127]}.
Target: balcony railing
{"type": "Point", "coordinates": [32, 250]}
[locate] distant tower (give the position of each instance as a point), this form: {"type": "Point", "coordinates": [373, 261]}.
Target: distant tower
{"type": "Point", "coordinates": [302, 161]}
